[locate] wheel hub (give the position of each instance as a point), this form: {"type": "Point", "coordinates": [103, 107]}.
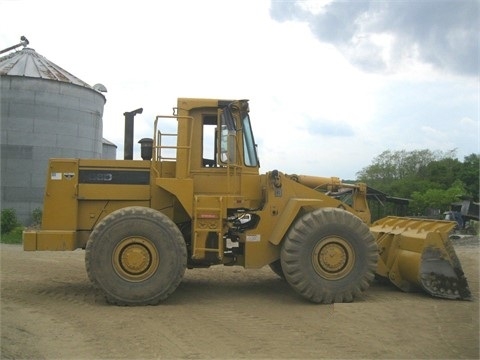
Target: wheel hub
{"type": "Point", "coordinates": [135, 259]}
{"type": "Point", "coordinates": [333, 258]}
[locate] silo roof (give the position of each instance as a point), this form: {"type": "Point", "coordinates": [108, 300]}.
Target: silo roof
{"type": "Point", "coordinates": [29, 63]}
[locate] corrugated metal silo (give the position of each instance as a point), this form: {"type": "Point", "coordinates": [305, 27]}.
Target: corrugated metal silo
{"type": "Point", "coordinates": [45, 112]}
{"type": "Point", "coordinates": [109, 150]}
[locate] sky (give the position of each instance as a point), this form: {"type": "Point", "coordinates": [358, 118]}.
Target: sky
{"type": "Point", "coordinates": [331, 84]}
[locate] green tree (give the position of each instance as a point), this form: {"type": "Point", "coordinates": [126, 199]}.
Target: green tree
{"type": "Point", "coordinates": [390, 167]}
{"type": "Point", "coordinates": [431, 179]}
{"type": "Point", "coordinates": [9, 220]}
{"type": "Point", "coordinates": [404, 188]}
{"type": "Point", "coordinates": [436, 198]}
{"type": "Point", "coordinates": [442, 172]}
{"type": "Point", "coordinates": [469, 174]}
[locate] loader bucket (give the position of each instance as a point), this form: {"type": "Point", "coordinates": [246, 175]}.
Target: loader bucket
{"type": "Point", "coordinates": [417, 254]}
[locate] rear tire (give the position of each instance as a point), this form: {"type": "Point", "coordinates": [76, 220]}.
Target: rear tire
{"type": "Point", "coordinates": [329, 255]}
{"type": "Point", "coordinates": [136, 256]}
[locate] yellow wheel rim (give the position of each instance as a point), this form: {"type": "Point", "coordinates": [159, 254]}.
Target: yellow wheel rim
{"type": "Point", "coordinates": [135, 259]}
{"type": "Point", "coordinates": [333, 258]}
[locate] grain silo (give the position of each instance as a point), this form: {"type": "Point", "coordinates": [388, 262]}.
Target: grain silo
{"type": "Point", "coordinates": [45, 112]}
{"type": "Point", "coordinates": [109, 150]}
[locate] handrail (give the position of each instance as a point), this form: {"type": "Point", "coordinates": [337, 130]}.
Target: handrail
{"type": "Point", "coordinates": [157, 140]}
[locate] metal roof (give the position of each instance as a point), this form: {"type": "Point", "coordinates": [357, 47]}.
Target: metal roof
{"type": "Point", "coordinates": [107, 142]}
{"type": "Point", "coordinates": [29, 63]}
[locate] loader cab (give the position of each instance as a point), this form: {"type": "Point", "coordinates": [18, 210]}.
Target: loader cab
{"type": "Point", "coordinates": [214, 147]}
{"type": "Point", "coordinates": [228, 138]}
{"type": "Point", "coordinates": [210, 133]}
{"type": "Point", "coordinates": [218, 136]}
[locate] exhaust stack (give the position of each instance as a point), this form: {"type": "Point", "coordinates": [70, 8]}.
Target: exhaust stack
{"type": "Point", "coordinates": [128, 138]}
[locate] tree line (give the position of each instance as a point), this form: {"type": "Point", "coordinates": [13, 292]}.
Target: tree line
{"type": "Point", "coordinates": [429, 179]}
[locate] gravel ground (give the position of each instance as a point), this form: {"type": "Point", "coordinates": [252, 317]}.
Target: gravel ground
{"type": "Point", "coordinates": [49, 310]}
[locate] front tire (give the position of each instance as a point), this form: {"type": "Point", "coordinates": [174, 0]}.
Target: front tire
{"type": "Point", "coordinates": [136, 256]}
{"type": "Point", "coordinates": [329, 255]}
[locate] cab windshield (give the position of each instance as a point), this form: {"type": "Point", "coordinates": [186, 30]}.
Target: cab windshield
{"type": "Point", "coordinates": [249, 149]}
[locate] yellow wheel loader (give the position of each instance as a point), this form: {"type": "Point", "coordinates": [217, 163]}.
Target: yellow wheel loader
{"type": "Point", "coordinates": [197, 199]}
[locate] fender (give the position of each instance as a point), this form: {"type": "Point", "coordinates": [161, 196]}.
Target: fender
{"type": "Point", "coordinates": [289, 213]}
{"type": "Point", "coordinates": [181, 188]}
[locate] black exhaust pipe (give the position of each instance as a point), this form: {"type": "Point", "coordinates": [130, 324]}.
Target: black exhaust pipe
{"type": "Point", "coordinates": [128, 140]}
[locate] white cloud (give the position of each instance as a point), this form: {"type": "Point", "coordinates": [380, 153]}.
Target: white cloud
{"type": "Point", "coordinates": [314, 6]}
{"type": "Point", "coordinates": [468, 123]}
{"type": "Point", "coordinates": [435, 133]}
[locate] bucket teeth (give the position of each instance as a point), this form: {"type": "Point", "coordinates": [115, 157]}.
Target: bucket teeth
{"type": "Point", "coordinates": [440, 279]}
